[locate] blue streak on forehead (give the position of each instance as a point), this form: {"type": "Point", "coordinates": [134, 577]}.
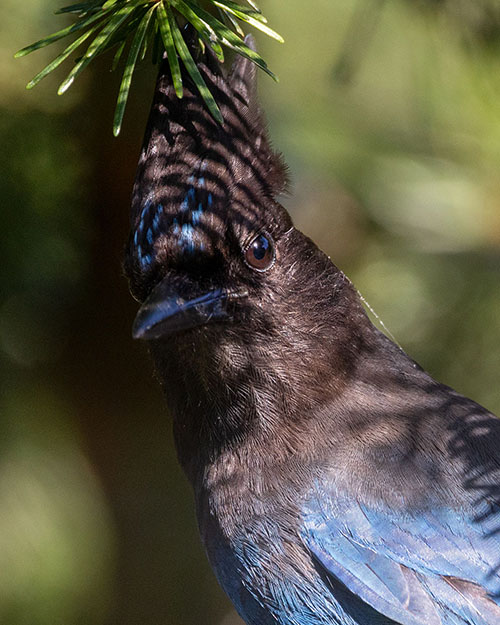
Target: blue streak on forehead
{"type": "Point", "coordinates": [147, 230]}
{"type": "Point", "coordinates": [144, 214]}
{"type": "Point", "coordinates": [145, 258]}
{"type": "Point", "coordinates": [191, 196]}
{"type": "Point", "coordinates": [191, 210]}
{"type": "Point", "coordinates": [184, 227]}
{"type": "Point", "coordinates": [196, 215]}
{"type": "Point", "coordinates": [186, 238]}
{"type": "Point", "coordinates": [157, 218]}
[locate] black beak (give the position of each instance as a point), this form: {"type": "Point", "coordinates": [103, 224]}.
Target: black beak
{"type": "Point", "coordinates": [174, 306]}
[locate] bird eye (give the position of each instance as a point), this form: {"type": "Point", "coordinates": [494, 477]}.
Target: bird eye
{"type": "Point", "coordinates": [259, 255]}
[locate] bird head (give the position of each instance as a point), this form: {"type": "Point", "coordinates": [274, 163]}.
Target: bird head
{"type": "Point", "coordinates": [210, 245]}
{"type": "Point", "coordinates": [205, 225]}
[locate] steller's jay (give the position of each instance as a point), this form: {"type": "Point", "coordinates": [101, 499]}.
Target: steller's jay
{"type": "Point", "coordinates": [335, 481]}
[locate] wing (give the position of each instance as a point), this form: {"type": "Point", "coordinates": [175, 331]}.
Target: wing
{"type": "Point", "coordinates": [434, 567]}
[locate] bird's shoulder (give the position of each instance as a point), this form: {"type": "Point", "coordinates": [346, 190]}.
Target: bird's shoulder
{"type": "Point", "coordinates": [394, 429]}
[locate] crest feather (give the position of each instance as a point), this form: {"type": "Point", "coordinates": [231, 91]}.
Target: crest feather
{"type": "Point", "coordinates": [192, 168]}
{"type": "Point", "coordinates": [182, 130]}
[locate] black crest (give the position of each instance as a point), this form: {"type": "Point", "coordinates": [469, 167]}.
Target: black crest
{"type": "Point", "coordinates": [192, 169]}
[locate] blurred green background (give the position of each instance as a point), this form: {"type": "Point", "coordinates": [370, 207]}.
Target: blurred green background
{"type": "Point", "coordinates": [389, 116]}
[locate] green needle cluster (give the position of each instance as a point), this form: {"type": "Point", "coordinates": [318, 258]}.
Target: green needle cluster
{"type": "Point", "coordinates": [142, 25]}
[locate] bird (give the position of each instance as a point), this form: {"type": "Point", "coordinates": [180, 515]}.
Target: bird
{"type": "Point", "coordinates": [335, 481]}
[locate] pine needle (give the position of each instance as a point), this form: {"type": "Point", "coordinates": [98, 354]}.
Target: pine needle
{"type": "Point", "coordinates": [146, 23]}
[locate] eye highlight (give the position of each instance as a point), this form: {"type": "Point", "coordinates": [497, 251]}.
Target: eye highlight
{"type": "Point", "coordinates": [260, 254]}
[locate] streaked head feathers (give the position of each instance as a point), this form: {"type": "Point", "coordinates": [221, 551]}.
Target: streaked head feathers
{"type": "Point", "coordinates": [200, 185]}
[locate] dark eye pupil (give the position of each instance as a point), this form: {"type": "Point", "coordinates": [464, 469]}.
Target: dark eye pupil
{"type": "Point", "coordinates": [260, 247]}
{"type": "Point", "coordinates": [260, 253]}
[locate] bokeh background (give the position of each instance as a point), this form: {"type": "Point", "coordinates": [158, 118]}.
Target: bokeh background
{"type": "Point", "coordinates": [389, 116]}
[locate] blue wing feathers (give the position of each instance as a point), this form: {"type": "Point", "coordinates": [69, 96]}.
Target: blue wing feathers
{"type": "Point", "coordinates": [433, 567]}
{"type": "Point", "coordinates": [360, 580]}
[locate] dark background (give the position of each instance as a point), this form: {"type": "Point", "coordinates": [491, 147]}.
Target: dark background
{"type": "Point", "coordinates": [393, 140]}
